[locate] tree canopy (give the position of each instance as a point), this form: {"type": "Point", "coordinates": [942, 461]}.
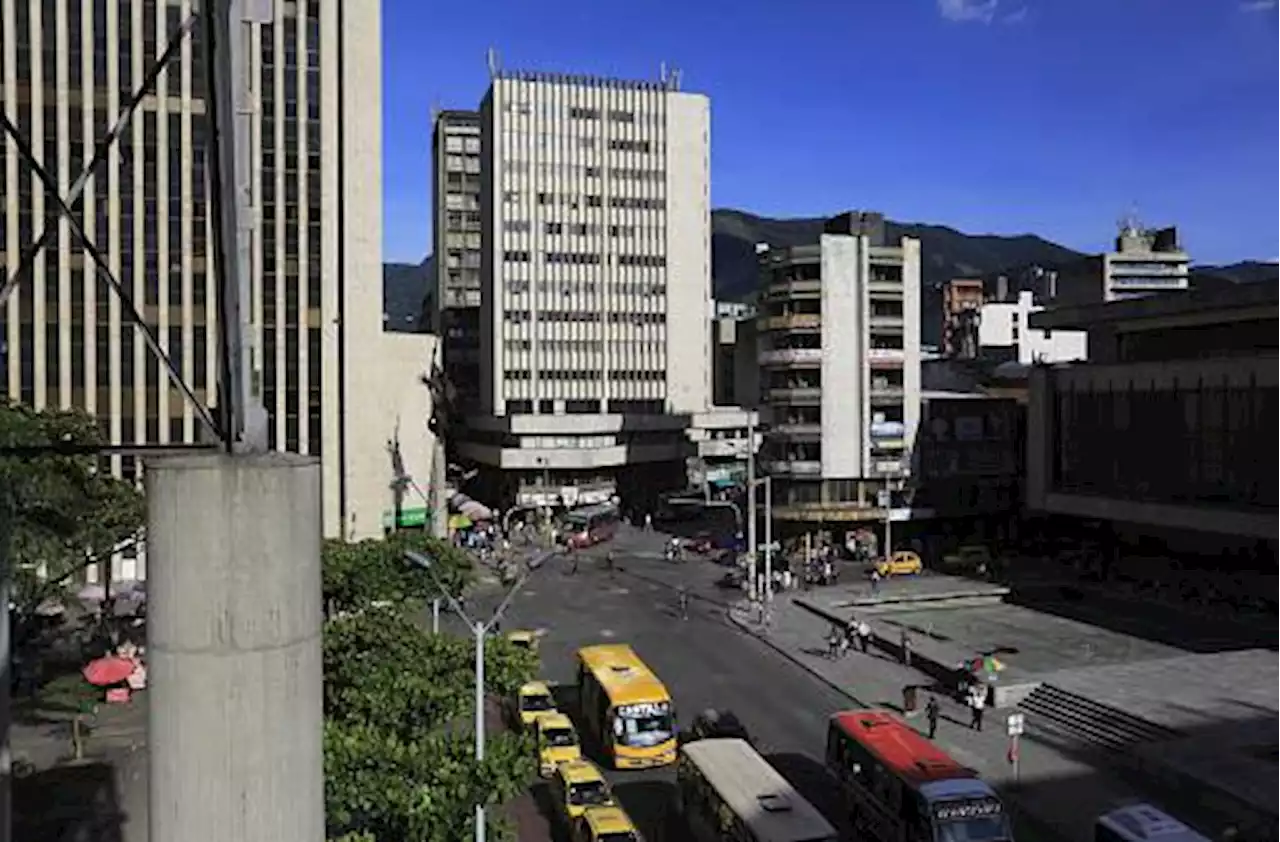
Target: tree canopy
{"type": "Point", "coordinates": [400, 763]}
{"type": "Point", "coordinates": [62, 510]}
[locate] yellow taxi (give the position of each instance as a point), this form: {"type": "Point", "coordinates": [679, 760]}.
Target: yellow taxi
{"type": "Point", "coordinates": [557, 742]}
{"type": "Point", "coordinates": [901, 563]}
{"type": "Point", "coordinates": [579, 785]}
{"type": "Point", "coordinates": [533, 700]}
{"type": "Point", "coordinates": [605, 824]}
{"type": "Point", "coordinates": [524, 639]}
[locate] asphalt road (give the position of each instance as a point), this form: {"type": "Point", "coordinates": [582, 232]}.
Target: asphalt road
{"type": "Point", "coordinates": [705, 662]}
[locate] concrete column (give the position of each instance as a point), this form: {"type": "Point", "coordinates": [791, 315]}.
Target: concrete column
{"type": "Point", "coordinates": [233, 626]}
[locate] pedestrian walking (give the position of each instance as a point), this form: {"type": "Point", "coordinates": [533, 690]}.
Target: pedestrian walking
{"type": "Point", "coordinates": [875, 582]}
{"type": "Point", "coordinates": [864, 636]}
{"type": "Point", "coordinates": [833, 642]}
{"type": "Point", "coordinates": [904, 645]}
{"type": "Point", "coordinates": [573, 563]}
{"type": "Point", "coordinates": [684, 602]}
{"type": "Point", "coordinates": [648, 522]}
{"type": "Point", "coordinates": [609, 561]}
{"type": "Point", "coordinates": [977, 704]}
{"type": "Point", "coordinates": [931, 711]}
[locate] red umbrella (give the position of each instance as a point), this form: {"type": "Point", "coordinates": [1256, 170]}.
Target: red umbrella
{"type": "Point", "coordinates": [107, 671]}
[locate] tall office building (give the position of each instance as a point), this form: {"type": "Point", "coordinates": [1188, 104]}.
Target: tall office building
{"type": "Point", "coordinates": [840, 368]}
{"type": "Point", "coordinates": [595, 280]}
{"type": "Point", "coordinates": [69, 67]}
{"type": "Point", "coordinates": [455, 183]}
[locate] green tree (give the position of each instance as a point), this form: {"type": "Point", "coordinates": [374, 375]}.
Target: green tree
{"type": "Point", "coordinates": [71, 694]}
{"type": "Point", "coordinates": [59, 510]}
{"type": "Point", "coordinates": [419, 790]}
{"type": "Point", "coordinates": [359, 574]}
{"type": "Point", "coordinates": [399, 756]}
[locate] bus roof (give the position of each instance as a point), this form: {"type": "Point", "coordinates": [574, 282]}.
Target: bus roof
{"type": "Point", "coordinates": [1142, 821]}
{"type": "Point", "coordinates": [900, 747]}
{"type": "Point", "coordinates": [609, 820]}
{"type": "Point", "coordinates": [622, 674]}
{"type": "Point", "coordinates": [753, 789]}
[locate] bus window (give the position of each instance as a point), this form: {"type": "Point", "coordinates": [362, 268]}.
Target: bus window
{"type": "Point", "coordinates": [643, 725]}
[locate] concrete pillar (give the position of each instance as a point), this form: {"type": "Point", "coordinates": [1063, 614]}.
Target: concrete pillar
{"type": "Point", "coordinates": [233, 626]}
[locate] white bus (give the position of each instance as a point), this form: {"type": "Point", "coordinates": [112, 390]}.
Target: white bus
{"type": "Point", "coordinates": [729, 792]}
{"type": "Point", "coordinates": [1142, 823]}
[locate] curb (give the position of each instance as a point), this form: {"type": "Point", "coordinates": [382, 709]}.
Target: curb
{"type": "Point", "coordinates": [1040, 832]}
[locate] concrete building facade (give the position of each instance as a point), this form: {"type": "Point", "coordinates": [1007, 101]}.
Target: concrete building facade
{"type": "Point", "coordinates": [68, 68]}
{"type": "Point", "coordinates": [962, 298]}
{"type": "Point", "coordinates": [1167, 425]}
{"type": "Point", "coordinates": [839, 354]}
{"type": "Point", "coordinates": [1005, 328]}
{"type": "Point", "coordinates": [595, 285]}
{"type": "Point", "coordinates": [455, 189]}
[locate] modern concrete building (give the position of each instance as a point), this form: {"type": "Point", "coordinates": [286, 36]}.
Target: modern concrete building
{"type": "Point", "coordinates": [595, 281]}
{"type": "Point", "coordinates": [727, 340]}
{"type": "Point", "coordinates": [455, 191]}
{"type": "Point", "coordinates": [68, 70]}
{"type": "Point", "coordinates": [839, 359]}
{"type": "Point", "coordinates": [1144, 262]}
{"type": "Point", "coordinates": [1170, 425]}
{"type": "Point", "coordinates": [1004, 329]}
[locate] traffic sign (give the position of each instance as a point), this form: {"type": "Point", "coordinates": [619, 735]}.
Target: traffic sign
{"type": "Point", "coordinates": [1017, 724]}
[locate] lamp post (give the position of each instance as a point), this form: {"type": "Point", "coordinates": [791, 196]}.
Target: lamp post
{"type": "Point", "coordinates": [479, 630]}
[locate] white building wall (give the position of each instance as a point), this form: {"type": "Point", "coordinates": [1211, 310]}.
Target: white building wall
{"type": "Point", "coordinates": [688, 253]}
{"type": "Point", "coordinates": [911, 339]}
{"type": "Point", "coordinates": [845, 264]}
{"type": "Point", "coordinates": [1005, 325]}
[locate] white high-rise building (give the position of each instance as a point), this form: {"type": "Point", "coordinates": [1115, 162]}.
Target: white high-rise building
{"type": "Point", "coordinates": [595, 286]}
{"type": "Point", "coordinates": [67, 70]}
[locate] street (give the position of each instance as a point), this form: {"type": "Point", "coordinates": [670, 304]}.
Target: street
{"type": "Point", "coordinates": [705, 661]}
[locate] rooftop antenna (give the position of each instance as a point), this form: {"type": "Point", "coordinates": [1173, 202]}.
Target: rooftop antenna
{"type": "Point", "coordinates": [662, 72]}
{"type": "Point", "coordinates": [1130, 223]}
{"type": "Point", "coordinates": [675, 79]}
{"type": "Point", "coordinates": [492, 57]}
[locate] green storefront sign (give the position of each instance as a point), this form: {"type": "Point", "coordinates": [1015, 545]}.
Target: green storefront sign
{"type": "Point", "coordinates": [409, 518]}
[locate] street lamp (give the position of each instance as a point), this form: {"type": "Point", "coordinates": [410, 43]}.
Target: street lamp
{"type": "Point", "coordinates": [479, 630]}
{"type": "Point", "coordinates": [752, 482]}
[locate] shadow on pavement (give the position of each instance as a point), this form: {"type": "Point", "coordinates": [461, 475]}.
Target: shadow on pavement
{"type": "Point", "coordinates": [652, 806]}
{"type": "Point", "coordinates": [812, 780]}
{"type": "Point", "coordinates": [71, 803]}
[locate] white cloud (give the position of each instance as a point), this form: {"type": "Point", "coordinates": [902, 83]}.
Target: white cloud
{"type": "Point", "coordinates": [1016, 16]}
{"type": "Point", "coordinates": [1257, 5]}
{"type": "Point", "coordinates": [966, 11]}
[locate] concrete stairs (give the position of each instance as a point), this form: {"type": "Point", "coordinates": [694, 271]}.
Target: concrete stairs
{"type": "Point", "coordinates": [1073, 718]}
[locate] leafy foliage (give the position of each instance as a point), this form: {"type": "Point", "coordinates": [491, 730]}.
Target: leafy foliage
{"type": "Point", "coordinates": [380, 666]}
{"type": "Point", "coordinates": [73, 695]}
{"type": "Point", "coordinates": [61, 511]}
{"type": "Point", "coordinates": [357, 575]}
{"type": "Point", "coordinates": [417, 790]}
{"type": "Point", "coordinates": [397, 766]}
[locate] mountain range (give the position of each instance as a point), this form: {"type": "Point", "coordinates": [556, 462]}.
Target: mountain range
{"type": "Point", "coordinates": [945, 254]}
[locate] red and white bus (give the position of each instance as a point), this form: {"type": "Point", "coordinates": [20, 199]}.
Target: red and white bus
{"type": "Point", "coordinates": [900, 787]}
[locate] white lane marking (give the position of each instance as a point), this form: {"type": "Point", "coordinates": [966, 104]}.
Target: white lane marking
{"type": "Point", "coordinates": [608, 633]}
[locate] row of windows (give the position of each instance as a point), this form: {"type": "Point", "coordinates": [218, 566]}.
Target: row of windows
{"type": "Point", "coordinates": [619, 375]}
{"type": "Point", "coordinates": [577, 258]}
{"type": "Point", "coordinates": [517, 287]}
{"type": "Point", "coordinates": [585, 316]}
{"type": "Point", "coordinates": [577, 229]}
{"type": "Point", "coordinates": [575, 201]}
{"type": "Point", "coordinates": [615, 406]}
{"type": "Point", "coordinates": [454, 143]}
{"type": "Point", "coordinates": [579, 113]}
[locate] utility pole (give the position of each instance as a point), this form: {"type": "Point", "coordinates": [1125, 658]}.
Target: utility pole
{"type": "Point", "coordinates": [768, 542]}
{"type": "Point", "coordinates": [479, 631]}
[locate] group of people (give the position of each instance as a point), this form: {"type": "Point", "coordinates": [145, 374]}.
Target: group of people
{"type": "Point", "coordinates": [843, 638]}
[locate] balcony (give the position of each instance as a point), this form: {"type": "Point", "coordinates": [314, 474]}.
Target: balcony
{"type": "Point", "coordinates": [794, 394]}
{"type": "Point", "coordinates": [883, 321]}
{"type": "Point", "coordinates": [791, 356]}
{"type": "Point", "coordinates": [886, 357]}
{"type": "Point", "coordinates": [792, 321]}
{"type": "Point", "coordinates": [887, 467]}
{"type": "Point", "coordinates": [807, 430]}
{"type": "Point", "coordinates": [789, 289]}
{"type": "Point", "coordinates": [794, 467]}
{"type": "Point", "coordinates": [882, 390]}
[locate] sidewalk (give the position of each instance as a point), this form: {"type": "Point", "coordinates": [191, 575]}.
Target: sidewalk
{"type": "Point", "coordinates": [1054, 799]}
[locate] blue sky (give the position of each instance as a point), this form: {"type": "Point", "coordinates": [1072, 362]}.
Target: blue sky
{"type": "Point", "coordinates": [991, 116]}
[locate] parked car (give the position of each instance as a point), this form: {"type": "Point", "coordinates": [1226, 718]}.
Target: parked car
{"type": "Point", "coordinates": [901, 563]}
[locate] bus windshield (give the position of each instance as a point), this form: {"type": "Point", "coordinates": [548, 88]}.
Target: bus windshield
{"type": "Point", "coordinates": [983, 829]}
{"type": "Point", "coordinates": [644, 725]}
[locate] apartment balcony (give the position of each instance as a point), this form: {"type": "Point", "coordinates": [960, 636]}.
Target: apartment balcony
{"type": "Point", "coordinates": [791, 356]}
{"type": "Point", "coordinates": [884, 286]}
{"type": "Point", "coordinates": [795, 394]}
{"type": "Point", "coordinates": [884, 467]}
{"type": "Point", "coordinates": [798, 429]}
{"type": "Point", "coordinates": [886, 322]}
{"type": "Point", "coordinates": [886, 393]}
{"type": "Point", "coordinates": [886, 357]}
{"type": "Point", "coordinates": [794, 467]}
{"type": "Point", "coordinates": [794, 289]}
{"type": "Point", "coordinates": [792, 321]}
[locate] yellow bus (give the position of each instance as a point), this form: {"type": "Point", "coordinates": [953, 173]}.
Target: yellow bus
{"type": "Point", "coordinates": [626, 707]}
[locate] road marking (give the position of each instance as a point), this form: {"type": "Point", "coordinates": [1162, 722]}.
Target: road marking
{"type": "Point", "coordinates": [608, 633]}
{"type": "Point", "coordinates": [620, 591]}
